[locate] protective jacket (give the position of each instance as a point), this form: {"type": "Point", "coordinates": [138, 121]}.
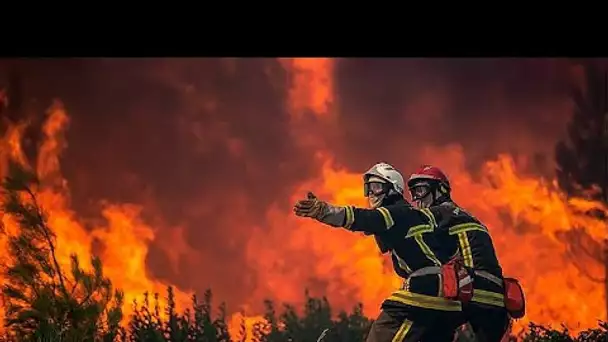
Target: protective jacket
{"type": "Point", "coordinates": [408, 234]}
{"type": "Point", "coordinates": [461, 233]}
{"type": "Point", "coordinates": [466, 237]}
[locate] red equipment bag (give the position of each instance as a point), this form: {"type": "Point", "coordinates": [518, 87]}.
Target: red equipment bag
{"type": "Point", "coordinates": [515, 302]}
{"type": "Point", "coordinates": [457, 281]}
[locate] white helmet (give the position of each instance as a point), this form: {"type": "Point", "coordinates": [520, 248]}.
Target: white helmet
{"type": "Point", "coordinates": [387, 173]}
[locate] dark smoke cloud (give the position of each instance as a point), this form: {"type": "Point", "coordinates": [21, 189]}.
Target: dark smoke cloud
{"type": "Point", "coordinates": [392, 107]}
{"type": "Point", "coordinates": [206, 141]}
{"type": "Point", "coordinates": [205, 144]}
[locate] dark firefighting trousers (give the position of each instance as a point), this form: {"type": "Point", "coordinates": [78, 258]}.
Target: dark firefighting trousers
{"type": "Point", "coordinates": [489, 324]}
{"type": "Point", "coordinates": [409, 314]}
{"type": "Point", "coordinates": [397, 328]}
{"type": "Point", "coordinates": [486, 312]}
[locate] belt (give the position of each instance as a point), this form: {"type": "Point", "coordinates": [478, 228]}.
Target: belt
{"type": "Point", "coordinates": [429, 270]}
{"type": "Point", "coordinates": [489, 276]}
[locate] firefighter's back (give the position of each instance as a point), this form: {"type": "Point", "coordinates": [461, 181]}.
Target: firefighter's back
{"type": "Point", "coordinates": [417, 259]}
{"type": "Point", "coordinates": [472, 240]}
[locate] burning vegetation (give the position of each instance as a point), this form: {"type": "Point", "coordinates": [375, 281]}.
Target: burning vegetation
{"type": "Point", "coordinates": [73, 273]}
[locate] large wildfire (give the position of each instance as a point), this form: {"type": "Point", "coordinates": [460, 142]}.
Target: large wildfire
{"type": "Point", "coordinates": [542, 237]}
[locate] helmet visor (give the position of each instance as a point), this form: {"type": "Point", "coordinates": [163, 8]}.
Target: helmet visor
{"type": "Point", "coordinates": [374, 188]}
{"type": "Point", "coordinates": [420, 191]}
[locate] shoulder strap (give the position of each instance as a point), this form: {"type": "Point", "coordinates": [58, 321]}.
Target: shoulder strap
{"type": "Point", "coordinates": [447, 210]}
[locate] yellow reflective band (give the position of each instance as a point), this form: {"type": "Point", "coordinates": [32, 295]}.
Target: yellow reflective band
{"type": "Point", "coordinates": [403, 330]}
{"type": "Point", "coordinates": [465, 248]}
{"type": "Point", "coordinates": [425, 301]}
{"type": "Point", "coordinates": [402, 264]}
{"type": "Point", "coordinates": [419, 229]}
{"type": "Point", "coordinates": [350, 217]}
{"type": "Point", "coordinates": [427, 250]}
{"type": "Point", "coordinates": [488, 297]}
{"type": "Point", "coordinates": [388, 219]}
{"type": "Point", "coordinates": [467, 227]}
{"type": "Point", "coordinates": [430, 216]}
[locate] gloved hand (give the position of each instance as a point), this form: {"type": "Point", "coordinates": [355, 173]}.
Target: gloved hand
{"type": "Point", "coordinates": [310, 207]}
{"type": "Point", "coordinates": [319, 210]}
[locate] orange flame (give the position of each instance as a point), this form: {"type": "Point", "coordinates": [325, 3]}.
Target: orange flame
{"type": "Point", "coordinates": [526, 216]}
{"type": "Point", "coordinates": [125, 237]}
{"type": "Point", "coordinates": [532, 223]}
{"type": "Point", "coordinates": [541, 236]}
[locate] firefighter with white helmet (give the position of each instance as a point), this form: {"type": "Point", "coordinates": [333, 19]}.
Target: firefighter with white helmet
{"type": "Point", "coordinates": [381, 184]}
{"type": "Point", "coordinates": [417, 311]}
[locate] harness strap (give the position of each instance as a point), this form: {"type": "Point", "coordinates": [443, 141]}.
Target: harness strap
{"type": "Point", "coordinates": [429, 270]}
{"type": "Point", "coordinates": [489, 276]}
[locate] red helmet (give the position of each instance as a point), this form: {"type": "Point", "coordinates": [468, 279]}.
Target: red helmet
{"type": "Point", "coordinates": [429, 172]}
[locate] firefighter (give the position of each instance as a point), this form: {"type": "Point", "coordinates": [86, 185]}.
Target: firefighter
{"type": "Point", "coordinates": [470, 240]}
{"type": "Point", "coordinates": [417, 311]}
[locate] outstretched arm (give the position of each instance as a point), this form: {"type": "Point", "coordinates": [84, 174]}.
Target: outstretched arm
{"type": "Point", "coordinates": [369, 221]}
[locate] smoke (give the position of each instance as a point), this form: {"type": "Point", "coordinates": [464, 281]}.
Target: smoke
{"type": "Point", "coordinates": [209, 145]}
{"type": "Point", "coordinates": [393, 108]}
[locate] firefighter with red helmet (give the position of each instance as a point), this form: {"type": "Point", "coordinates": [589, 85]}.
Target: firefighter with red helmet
{"type": "Point", "coordinates": [471, 244]}
{"type": "Point", "coordinates": [417, 311]}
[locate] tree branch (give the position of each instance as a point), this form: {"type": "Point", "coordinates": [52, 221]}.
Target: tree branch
{"type": "Point", "coordinates": [49, 240]}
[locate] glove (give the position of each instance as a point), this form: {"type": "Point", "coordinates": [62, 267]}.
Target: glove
{"type": "Point", "coordinates": [319, 210]}
{"type": "Point", "coordinates": [310, 207]}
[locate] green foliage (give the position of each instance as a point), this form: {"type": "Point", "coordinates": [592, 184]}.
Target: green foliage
{"type": "Point", "coordinates": [44, 302]}
{"type": "Point", "coordinates": [201, 325]}
{"type": "Point", "coordinates": [540, 333]}
{"type": "Point", "coordinates": [315, 318]}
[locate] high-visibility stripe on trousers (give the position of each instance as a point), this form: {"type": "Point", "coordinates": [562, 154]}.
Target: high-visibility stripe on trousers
{"type": "Point", "coordinates": [387, 328]}
{"type": "Point", "coordinates": [424, 301]}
